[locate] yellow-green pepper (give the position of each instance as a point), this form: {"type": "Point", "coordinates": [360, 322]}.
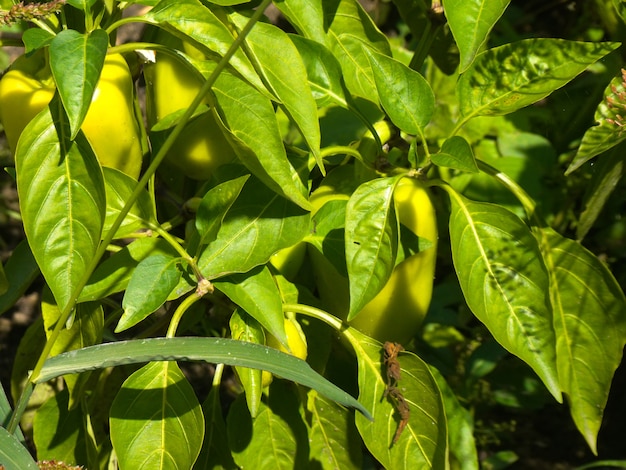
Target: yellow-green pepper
{"type": "Point", "coordinates": [201, 147]}
{"type": "Point", "coordinates": [110, 125]}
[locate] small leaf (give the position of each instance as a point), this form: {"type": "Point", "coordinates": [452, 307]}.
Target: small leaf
{"type": "Point", "coordinates": [372, 232]}
{"type": "Point", "coordinates": [323, 72]}
{"type": "Point", "coordinates": [404, 94]}
{"type": "Point", "coordinates": [504, 281]}
{"type": "Point", "coordinates": [13, 454]}
{"type": "Point", "coordinates": [456, 153]}
{"type": "Point", "coordinates": [507, 78]}
{"type": "Point", "coordinates": [333, 437]}
{"type": "Point", "coordinates": [590, 327]}
{"type": "Point", "coordinates": [423, 443]}
{"type": "Point", "coordinates": [156, 420]}
{"type": "Point", "coordinates": [349, 28]}
{"type": "Point", "coordinates": [84, 55]}
{"type": "Point", "coordinates": [275, 439]}
{"type": "Point", "coordinates": [151, 283]}
{"type": "Point", "coordinates": [36, 38]}
{"type": "Point", "coordinates": [62, 200]}
{"type": "Point", "coordinates": [21, 270]}
{"type": "Point", "coordinates": [609, 131]}
{"type": "Point", "coordinates": [306, 17]}
{"type": "Point", "coordinates": [471, 22]}
{"type": "Point", "coordinates": [114, 273]}
{"type": "Point", "coordinates": [256, 293]}
{"type": "Point", "coordinates": [215, 350]}
{"type": "Point", "coordinates": [257, 142]}
{"type": "Point", "coordinates": [269, 45]}
{"type": "Point", "coordinates": [214, 206]}
{"type": "Point", "coordinates": [258, 224]}
{"type": "Point", "coordinates": [119, 187]}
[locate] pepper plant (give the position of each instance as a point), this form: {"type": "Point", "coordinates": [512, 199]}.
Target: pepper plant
{"type": "Point", "coordinates": [297, 185]}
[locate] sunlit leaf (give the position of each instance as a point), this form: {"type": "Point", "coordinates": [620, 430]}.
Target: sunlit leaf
{"type": "Point", "coordinates": [156, 420]}
{"type": "Point", "coordinates": [13, 454]}
{"type": "Point", "coordinates": [456, 153]}
{"type": "Point", "coordinates": [590, 324]}
{"type": "Point", "coordinates": [62, 200]}
{"type": "Point", "coordinates": [306, 16]}
{"type": "Point", "coordinates": [506, 78]}
{"type": "Point", "coordinates": [119, 187]}
{"type": "Point", "coordinates": [504, 281]}
{"type": "Point", "coordinates": [471, 22]}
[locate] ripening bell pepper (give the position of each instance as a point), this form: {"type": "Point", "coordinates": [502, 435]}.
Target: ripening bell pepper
{"type": "Point", "coordinates": [397, 311]}
{"type": "Point", "coordinates": [201, 147]}
{"type": "Point", "coordinates": [111, 125]}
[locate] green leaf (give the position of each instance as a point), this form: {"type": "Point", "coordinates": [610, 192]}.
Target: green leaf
{"type": "Point", "coordinates": [372, 232]}
{"type": "Point", "coordinates": [114, 273]}
{"type": "Point", "coordinates": [36, 38]}
{"type": "Point", "coordinates": [510, 77]}
{"type": "Point", "coordinates": [609, 131]}
{"type": "Point", "coordinates": [20, 270]}
{"type": "Point", "coordinates": [349, 28]}
{"type": "Point", "coordinates": [190, 19]}
{"type": "Point", "coordinates": [13, 454]}
{"type": "Point", "coordinates": [257, 142]}
{"type": "Point", "coordinates": [334, 440]}
{"type": "Point", "coordinates": [257, 294]}
{"type": "Point", "coordinates": [215, 452]}
{"type": "Point", "coordinates": [306, 16]}
{"type": "Point", "coordinates": [84, 55]}
{"type": "Point", "coordinates": [275, 439]}
{"type": "Point", "coordinates": [4, 282]}
{"type": "Point", "coordinates": [620, 6]}
{"type": "Point", "coordinates": [5, 416]}
{"type": "Point", "coordinates": [323, 72]}
{"type": "Point", "coordinates": [215, 350]}
{"type": "Point", "coordinates": [268, 46]}
{"type": "Point", "coordinates": [456, 153]}
{"type": "Point", "coordinates": [150, 285]}
{"type": "Point", "coordinates": [119, 187]}
{"type": "Point", "coordinates": [258, 224]}
{"type": "Point", "coordinates": [156, 420]}
{"type": "Point", "coordinates": [423, 443]}
{"type": "Point", "coordinates": [504, 281]}
{"type": "Point", "coordinates": [404, 94]}
{"type": "Point", "coordinates": [62, 200]}
{"type": "Point", "coordinates": [245, 328]}
{"type": "Point", "coordinates": [471, 22]}
{"type": "Point", "coordinates": [214, 206]}
{"type": "Point", "coordinates": [59, 432]}
{"type": "Point", "coordinates": [590, 327]}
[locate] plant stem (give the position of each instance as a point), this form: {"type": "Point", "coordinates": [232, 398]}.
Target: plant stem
{"type": "Point", "coordinates": [180, 311]}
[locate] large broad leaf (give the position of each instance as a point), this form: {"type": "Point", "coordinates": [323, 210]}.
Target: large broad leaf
{"type": "Point", "coordinates": [150, 285]}
{"type": "Point", "coordinates": [507, 78]}
{"type": "Point", "coordinates": [404, 94]}
{"type": "Point", "coordinates": [333, 437]}
{"type": "Point", "coordinates": [609, 131]}
{"type": "Point", "coordinates": [590, 324]}
{"type": "Point", "coordinates": [470, 22]}
{"type": "Point", "coordinates": [423, 442]}
{"type": "Point", "coordinates": [13, 454]}
{"type": "Point", "coordinates": [215, 350]}
{"type": "Point", "coordinates": [276, 438]}
{"type": "Point", "coordinates": [306, 16]}
{"type": "Point", "coordinates": [257, 142]}
{"type": "Point", "coordinates": [156, 420]}
{"type": "Point", "coordinates": [62, 200]}
{"type": "Point", "coordinates": [192, 19]}
{"type": "Point", "coordinates": [119, 187]}
{"type": "Point", "coordinates": [257, 294]}
{"type": "Point", "coordinates": [372, 232]}
{"type": "Point", "coordinates": [349, 29]}
{"type": "Point", "coordinates": [323, 72]}
{"type": "Point", "coordinates": [84, 55]}
{"type": "Point", "coordinates": [505, 283]}
{"type": "Point", "coordinates": [258, 224]}
{"type": "Point", "coordinates": [20, 270]}
{"type": "Point", "coordinates": [269, 46]}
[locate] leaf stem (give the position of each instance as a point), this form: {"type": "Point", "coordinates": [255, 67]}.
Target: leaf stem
{"type": "Point", "coordinates": [180, 311]}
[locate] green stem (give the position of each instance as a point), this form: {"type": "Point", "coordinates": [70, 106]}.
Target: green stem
{"type": "Point", "coordinates": [206, 87]}
{"type": "Point", "coordinates": [180, 311]}
{"type": "Point", "coordinates": [341, 150]}
{"type": "Point", "coordinates": [326, 317]}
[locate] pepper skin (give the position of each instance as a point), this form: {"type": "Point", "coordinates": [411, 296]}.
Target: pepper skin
{"type": "Point", "coordinates": [110, 124]}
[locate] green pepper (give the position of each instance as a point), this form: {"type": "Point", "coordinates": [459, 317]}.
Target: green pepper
{"type": "Point", "coordinates": [201, 147]}
{"type": "Point", "coordinates": [110, 124]}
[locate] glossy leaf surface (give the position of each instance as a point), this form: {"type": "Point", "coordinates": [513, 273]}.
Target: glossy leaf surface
{"type": "Point", "coordinates": [119, 187]}
{"type": "Point", "coordinates": [13, 454]}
